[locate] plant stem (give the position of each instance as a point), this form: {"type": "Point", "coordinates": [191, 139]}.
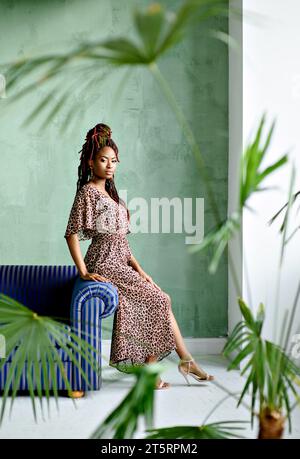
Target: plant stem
{"type": "Point", "coordinates": [234, 274]}
{"type": "Point", "coordinates": [197, 154]}
{"type": "Point", "coordinates": [250, 302]}
{"type": "Point", "coordinates": [283, 244]}
{"type": "Point", "coordinates": [188, 135]}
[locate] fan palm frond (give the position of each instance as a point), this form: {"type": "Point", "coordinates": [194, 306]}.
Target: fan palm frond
{"type": "Point", "coordinates": [33, 342]}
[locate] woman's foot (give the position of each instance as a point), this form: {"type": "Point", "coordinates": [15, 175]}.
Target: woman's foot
{"type": "Point", "coordinates": [159, 384]}
{"type": "Point", "coordinates": [162, 385]}
{"type": "Point", "coordinates": [190, 366]}
{"type": "Point", "coordinates": [198, 371]}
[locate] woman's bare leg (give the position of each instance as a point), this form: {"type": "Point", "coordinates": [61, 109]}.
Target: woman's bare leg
{"type": "Point", "coordinates": [181, 348]}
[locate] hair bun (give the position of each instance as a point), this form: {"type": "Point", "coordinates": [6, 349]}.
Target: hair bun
{"type": "Point", "coordinates": [104, 131]}
{"type": "Point", "coordinates": [101, 131]}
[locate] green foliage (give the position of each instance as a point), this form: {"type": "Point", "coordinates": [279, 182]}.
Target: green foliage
{"type": "Point", "coordinates": [218, 239]}
{"type": "Point", "coordinates": [251, 171]}
{"type": "Point", "coordinates": [89, 64]}
{"type": "Point", "coordinates": [251, 175]}
{"type": "Point", "coordinates": [122, 421]}
{"type": "Point", "coordinates": [35, 339]}
{"type": "Point", "coordinates": [270, 372]}
{"type": "Point", "coordinates": [285, 206]}
{"type": "Point", "coordinates": [217, 430]}
{"type": "Point", "coordinates": [138, 403]}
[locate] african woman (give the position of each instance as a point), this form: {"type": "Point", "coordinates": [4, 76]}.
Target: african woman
{"type": "Point", "coordinates": [144, 329]}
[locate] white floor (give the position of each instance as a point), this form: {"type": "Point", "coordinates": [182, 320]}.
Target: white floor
{"type": "Point", "coordinates": [179, 405]}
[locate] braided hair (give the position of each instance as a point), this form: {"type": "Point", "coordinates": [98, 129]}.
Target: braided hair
{"type": "Point", "coordinates": [97, 138]}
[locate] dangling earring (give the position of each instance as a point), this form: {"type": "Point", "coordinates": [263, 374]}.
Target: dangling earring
{"type": "Point", "coordinates": [91, 172]}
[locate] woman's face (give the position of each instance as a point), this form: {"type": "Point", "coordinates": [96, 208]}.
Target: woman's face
{"type": "Point", "coordinates": [105, 163]}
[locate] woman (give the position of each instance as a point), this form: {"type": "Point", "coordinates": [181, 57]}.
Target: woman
{"type": "Point", "coordinates": [144, 328]}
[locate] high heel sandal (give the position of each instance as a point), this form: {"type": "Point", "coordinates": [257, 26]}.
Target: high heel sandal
{"type": "Point", "coordinates": [185, 374]}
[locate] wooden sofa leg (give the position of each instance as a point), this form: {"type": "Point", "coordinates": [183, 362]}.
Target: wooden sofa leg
{"type": "Point", "coordinates": [76, 393]}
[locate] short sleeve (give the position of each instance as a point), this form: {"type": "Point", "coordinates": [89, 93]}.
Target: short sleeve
{"type": "Point", "coordinates": [82, 219]}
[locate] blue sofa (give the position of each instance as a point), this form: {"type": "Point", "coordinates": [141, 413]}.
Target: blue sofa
{"type": "Point", "coordinates": [59, 292]}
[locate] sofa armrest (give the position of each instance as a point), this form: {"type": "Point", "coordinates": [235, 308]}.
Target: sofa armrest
{"type": "Point", "coordinates": [86, 290]}
{"type": "Point", "coordinates": [91, 302]}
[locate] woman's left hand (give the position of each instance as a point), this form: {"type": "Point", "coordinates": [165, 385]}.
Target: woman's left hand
{"type": "Point", "coordinates": [148, 279]}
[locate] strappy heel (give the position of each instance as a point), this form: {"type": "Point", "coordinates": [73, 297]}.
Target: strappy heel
{"type": "Point", "coordinates": [185, 374]}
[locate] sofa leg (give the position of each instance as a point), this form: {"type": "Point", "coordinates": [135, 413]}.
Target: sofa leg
{"type": "Point", "coordinates": [76, 393]}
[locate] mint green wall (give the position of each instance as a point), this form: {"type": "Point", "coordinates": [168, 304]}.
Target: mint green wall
{"type": "Point", "coordinates": [39, 168]}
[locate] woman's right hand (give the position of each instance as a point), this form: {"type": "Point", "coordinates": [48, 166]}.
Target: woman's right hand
{"type": "Point", "coordinates": [94, 277]}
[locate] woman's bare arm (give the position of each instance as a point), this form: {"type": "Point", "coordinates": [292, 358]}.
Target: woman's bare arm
{"type": "Point", "coordinates": [74, 247]}
{"type": "Point", "coordinates": [133, 262]}
{"type": "Point", "coordinates": [75, 251]}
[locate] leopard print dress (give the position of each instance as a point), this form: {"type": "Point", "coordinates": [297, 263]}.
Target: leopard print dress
{"type": "Point", "coordinates": [141, 325]}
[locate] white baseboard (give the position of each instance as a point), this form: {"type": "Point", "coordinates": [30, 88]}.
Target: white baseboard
{"type": "Point", "coordinates": [194, 345]}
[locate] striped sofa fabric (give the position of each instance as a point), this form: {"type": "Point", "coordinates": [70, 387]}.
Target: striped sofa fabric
{"type": "Point", "coordinates": [59, 292]}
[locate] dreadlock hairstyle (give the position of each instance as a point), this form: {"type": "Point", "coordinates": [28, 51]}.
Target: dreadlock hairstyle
{"type": "Point", "coordinates": [97, 138]}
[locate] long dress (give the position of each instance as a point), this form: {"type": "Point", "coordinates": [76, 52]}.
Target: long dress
{"type": "Point", "coordinates": [141, 325]}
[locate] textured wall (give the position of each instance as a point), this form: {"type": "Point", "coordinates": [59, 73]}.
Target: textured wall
{"type": "Point", "coordinates": [39, 167]}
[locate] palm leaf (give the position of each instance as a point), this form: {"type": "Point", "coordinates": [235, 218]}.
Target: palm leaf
{"type": "Point", "coordinates": [271, 370]}
{"type": "Point", "coordinates": [31, 341]}
{"type": "Point", "coordinates": [251, 174]}
{"type": "Point", "coordinates": [218, 238]}
{"type": "Point", "coordinates": [293, 199]}
{"type": "Point", "coordinates": [150, 26]}
{"type": "Point", "coordinates": [118, 51]}
{"type": "Point", "coordinates": [251, 177]}
{"type": "Point", "coordinates": [246, 387]}
{"type": "Point", "coordinates": [217, 430]}
{"type": "Point", "coordinates": [122, 421]}
{"type": "Point", "coordinates": [247, 314]}
{"type": "Point", "coordinates": [245, 352]}
{"type": "Point", "coordinates": [287, 216]}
